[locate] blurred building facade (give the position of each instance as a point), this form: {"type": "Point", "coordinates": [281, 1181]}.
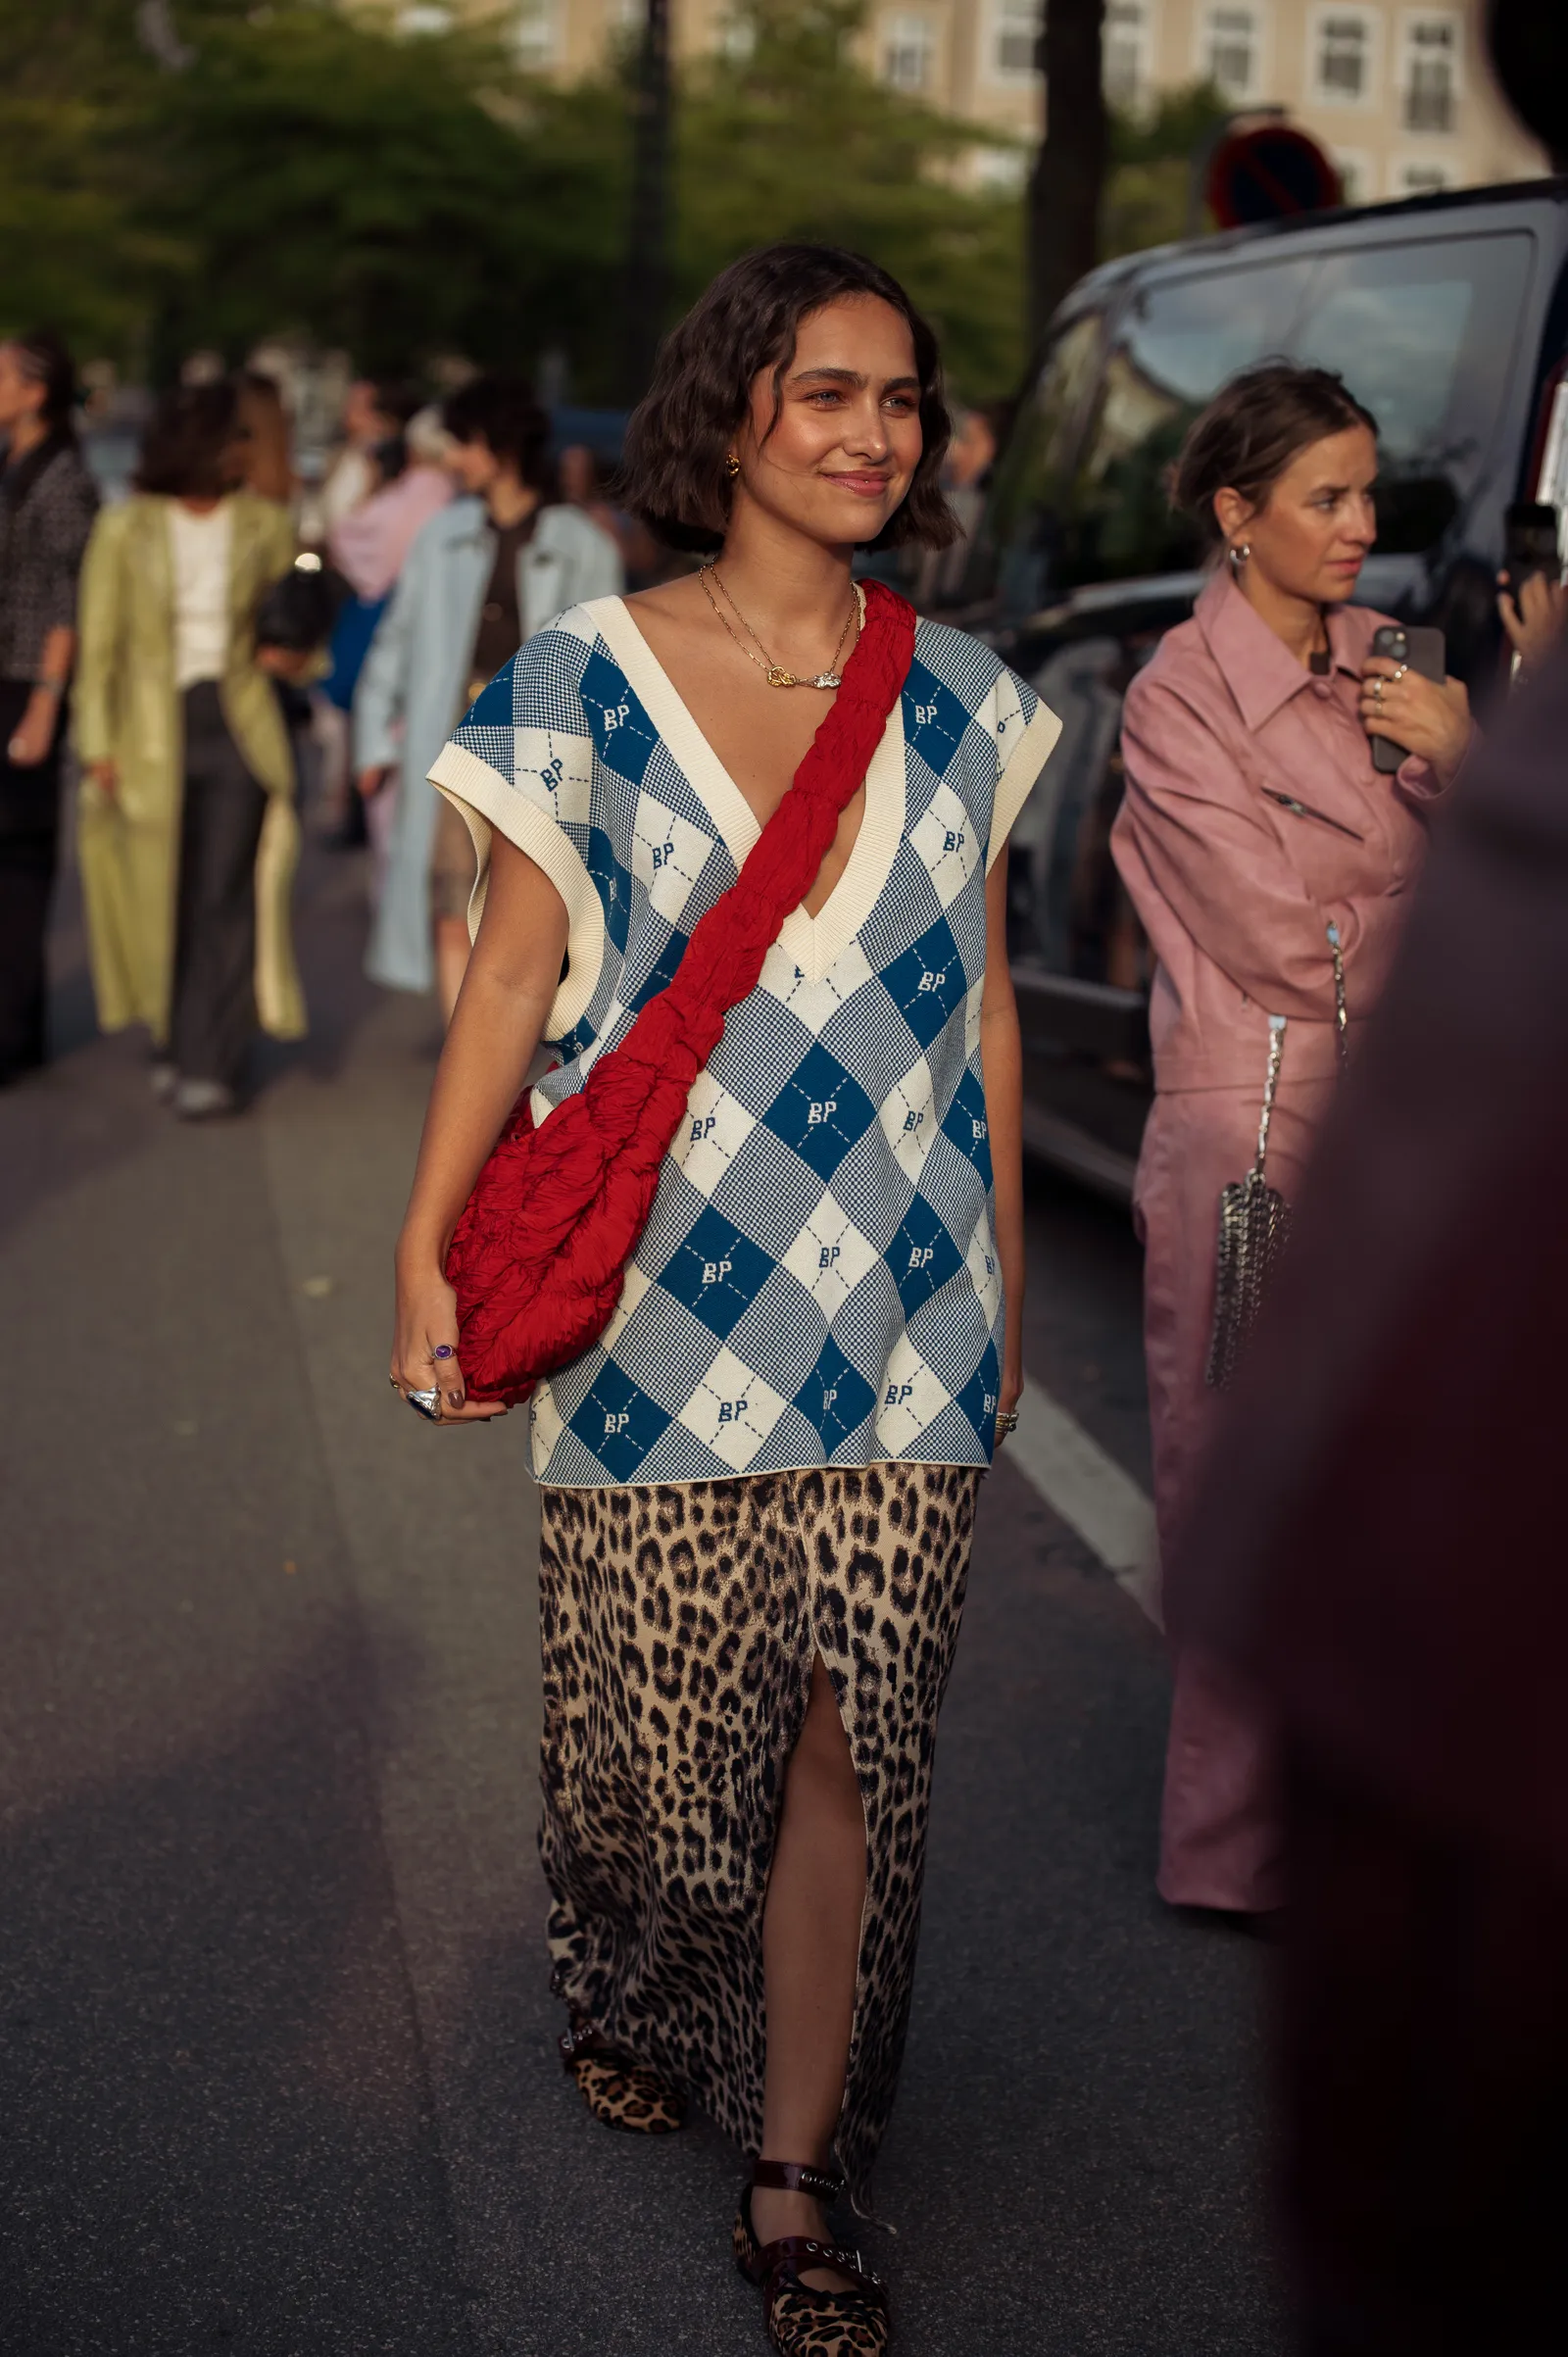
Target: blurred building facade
{"type": "Point", "coordinates": [1402, 97]}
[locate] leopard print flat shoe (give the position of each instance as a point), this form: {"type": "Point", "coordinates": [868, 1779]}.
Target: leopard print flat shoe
{"type": "Point", "coordinates": [618, 2091]}
{"type": "Point", "coordinates": [802, 2322]}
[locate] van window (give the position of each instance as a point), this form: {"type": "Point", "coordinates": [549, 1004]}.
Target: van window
{"type": "Point", "coordinates": [1176, 343]}
{"type": "Point", "coordinates": [1424, 334]}
{"type": "Point", "coordinates": [1020, 523]}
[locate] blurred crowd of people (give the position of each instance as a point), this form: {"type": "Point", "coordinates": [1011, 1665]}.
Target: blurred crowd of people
{"type": "Point", "coordinates": [209, 708]}
{"type": "Point", "coordinates": [233, 649]}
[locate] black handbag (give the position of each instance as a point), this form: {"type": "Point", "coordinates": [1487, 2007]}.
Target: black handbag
{"type": "Point", "coordinates": [298, 613]}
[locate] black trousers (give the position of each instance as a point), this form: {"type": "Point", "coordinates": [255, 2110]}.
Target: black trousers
{"type": "Point", "coordinates": [1425, 2051]}
{"type": "Point", "coordinates": [30, 841]}
{"type": "Point", "coordinates": [214, 1011]}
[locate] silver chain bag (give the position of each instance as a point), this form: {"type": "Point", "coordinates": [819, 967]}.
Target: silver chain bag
{"type": "Point", "coordinates": [1254, 1219]}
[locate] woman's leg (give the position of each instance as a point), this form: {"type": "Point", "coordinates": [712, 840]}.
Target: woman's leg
{"type": "Point", "coordinates": [214, 1011]}
{"type": "Point", "coordinates": [811, 1955]}
{"type": "Point", "coordinates": [29, 809]}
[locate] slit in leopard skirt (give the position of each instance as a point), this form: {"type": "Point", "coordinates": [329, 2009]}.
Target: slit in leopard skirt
{"type": "Point", "coordinates": [679, 1629]}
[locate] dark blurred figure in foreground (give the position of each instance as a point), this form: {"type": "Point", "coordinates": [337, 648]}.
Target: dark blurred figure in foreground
{"type": "Point", "coordinates": [1379, 1545]}
{"type": "Point", "coordinates": [47, 504]}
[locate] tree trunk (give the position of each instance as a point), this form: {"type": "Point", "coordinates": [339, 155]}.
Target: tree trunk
{"type": "Point", "coordinates": [1069, 174]}
{"type": "Point", "coordinates": [647, 241]}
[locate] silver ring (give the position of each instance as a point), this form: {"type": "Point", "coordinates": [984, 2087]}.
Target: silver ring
{"type": "Point", "coordinates": [426, 1404]}
{"type": "Point", "coordinates": [1377, 690]}
{"type": "Point", "coordinates": [1400, 669]}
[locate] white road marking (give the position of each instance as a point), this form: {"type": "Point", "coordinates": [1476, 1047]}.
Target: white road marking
{"type": "Point", "coordinates": [1089, 1491]}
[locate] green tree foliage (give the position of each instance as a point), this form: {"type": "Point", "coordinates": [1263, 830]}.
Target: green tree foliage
{"type": "Point", "coordinates": [1149, 198]}
{"type": "Point", "coordinates": [306, 169]}
{"type": "Point", "coordinates": [309, 170]}
{"type": "Point", "coordinates": [793, 139]}
{"type": "Point", "coordinates": [77, 253]}
{"type": "Point", "coordinates": [396, 197]}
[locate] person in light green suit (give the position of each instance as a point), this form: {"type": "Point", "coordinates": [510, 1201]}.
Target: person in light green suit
{"type": "Point", "coordinates": [188, 827]}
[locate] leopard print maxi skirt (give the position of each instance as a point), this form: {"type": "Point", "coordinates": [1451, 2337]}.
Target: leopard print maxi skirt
{"type": "Point", "coordinates": [680, 1627]}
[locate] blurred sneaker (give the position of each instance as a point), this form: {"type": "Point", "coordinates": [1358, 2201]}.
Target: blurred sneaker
{"type": "Point", "coordinates": [163, 1079]}
{"type": "Point", "coordinates": [204, 1100]}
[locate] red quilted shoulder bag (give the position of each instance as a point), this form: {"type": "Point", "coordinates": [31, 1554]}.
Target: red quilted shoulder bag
{"type": "Point", "coordinates": [540, 1253]}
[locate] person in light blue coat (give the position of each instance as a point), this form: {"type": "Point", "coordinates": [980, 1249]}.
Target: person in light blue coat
{"type": "Point", "coordinates": [482, 577]}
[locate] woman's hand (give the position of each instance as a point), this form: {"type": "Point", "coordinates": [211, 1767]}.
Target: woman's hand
{"type": "Point", "coordinates": [424, 1347]}
{"type": "Point", "coordinates": [1425, 719]}
{"type": "Point", "coordinates": [1534, 623]}
{"type": "Point", "coordinates": [105, 776]}
{"type": "Point", "coordinates": [34, 732]}
{"type": "Point", "coordinates": [1011, 1382]}
{"type": "Point", "coordinates": [371, 781]}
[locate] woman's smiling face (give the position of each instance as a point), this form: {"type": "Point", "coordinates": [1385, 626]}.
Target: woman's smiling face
{"type": "Point", "coordinates": [840, 454]}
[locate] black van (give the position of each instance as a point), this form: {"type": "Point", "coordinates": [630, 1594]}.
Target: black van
{"type": "Point", "coordinates": [1447, 314]}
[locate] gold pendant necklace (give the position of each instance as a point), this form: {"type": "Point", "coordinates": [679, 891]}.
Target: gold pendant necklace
{"type": "Point", "coordinates": [774, 672]}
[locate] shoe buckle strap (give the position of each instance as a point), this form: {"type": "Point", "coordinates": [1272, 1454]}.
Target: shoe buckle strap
{"type": "Point", "coordinates": [794, 2252]}
{"type": "Point", "coordinates": [797, 2176]}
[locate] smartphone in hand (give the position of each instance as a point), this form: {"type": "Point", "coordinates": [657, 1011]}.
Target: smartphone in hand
{"type": "Point", "coordinates": [1530, 544]}
{"type": "Point", "coordinates": [1424, 651]}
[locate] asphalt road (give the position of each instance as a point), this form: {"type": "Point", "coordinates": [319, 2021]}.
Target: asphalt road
{"type": "Point", "coordinates": [276, 2073]}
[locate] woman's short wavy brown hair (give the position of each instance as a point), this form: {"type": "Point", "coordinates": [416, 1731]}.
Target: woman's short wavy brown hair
{"type": "Point", "coordinates": [679, 435]}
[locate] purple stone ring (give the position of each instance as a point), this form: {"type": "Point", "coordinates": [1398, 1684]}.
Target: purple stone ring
{"type": "Point", "coordinates": [443, 1351]}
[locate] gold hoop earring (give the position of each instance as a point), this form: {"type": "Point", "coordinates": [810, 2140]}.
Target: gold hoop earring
{"type": "Point", "coordinates": [732, 465]}
{"type": "Point", "coordinates": [1237, 558]}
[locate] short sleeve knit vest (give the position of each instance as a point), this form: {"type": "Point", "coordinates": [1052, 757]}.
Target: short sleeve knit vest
{"type": "Point", "coordinates": [817, 1283]}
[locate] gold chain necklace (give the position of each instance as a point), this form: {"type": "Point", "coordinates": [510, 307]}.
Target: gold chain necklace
{"type": "Point", "coordinates": [774, 672]}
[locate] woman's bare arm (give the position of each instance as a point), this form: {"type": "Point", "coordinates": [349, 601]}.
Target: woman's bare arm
{"type": "Point", "coordinates": [1001, 1063]}
{"type": "Point", "coordinates": [500, 1017]}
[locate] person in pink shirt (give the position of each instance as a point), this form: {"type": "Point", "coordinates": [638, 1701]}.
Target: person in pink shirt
{"type": "Point", "coordinates": [1253, 820]}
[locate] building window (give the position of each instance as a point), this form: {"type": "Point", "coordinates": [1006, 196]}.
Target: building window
{"type": "Point", "coordinates": [1016, 40]}
{"type": "Point", "coordinates": [1354, 167]}
{"type": "Point", "coordinates": [1344, 56]}
{"type": "Point", "coordinates": [909, 52]}
{"type": "Point", "coordinates": [1128, 59]}
{"type": "Point", "coordinates": [1418, 175]}
{"type": "Point", "coordinates": [737, 36]}
{"type": "Point", "coordinates": [535, 34]}
{"type": "Point", "coordinates": [1429, 77]}
{"type": "Point", "coordinates": [999, 170]}
{"type": "Point", "coordinates": [1229, 52]}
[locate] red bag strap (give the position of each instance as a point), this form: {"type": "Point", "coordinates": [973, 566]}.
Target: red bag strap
{"type": "Point", "coordinates": [724, 955]}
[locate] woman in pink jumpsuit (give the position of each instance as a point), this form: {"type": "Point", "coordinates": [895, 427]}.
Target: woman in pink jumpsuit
{"type": "Point", "coordinates": [1254, 819]}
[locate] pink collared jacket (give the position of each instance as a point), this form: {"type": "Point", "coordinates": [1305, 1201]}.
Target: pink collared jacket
{"type": "Point", "coordinates": [1253, 817]}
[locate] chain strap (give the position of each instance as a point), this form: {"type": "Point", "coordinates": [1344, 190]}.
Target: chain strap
{"type": "Point", "coordinates": [1276, 1049]}
{"type": "Point", "coordinates": [1342, 1022]}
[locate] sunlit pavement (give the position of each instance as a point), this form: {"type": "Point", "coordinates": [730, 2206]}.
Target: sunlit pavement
{"type": "Point", "coordinates": [277, 2073]}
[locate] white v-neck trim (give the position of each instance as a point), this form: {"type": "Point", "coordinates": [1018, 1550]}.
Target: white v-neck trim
{"type": "Point", "coordinates": [814, 942]}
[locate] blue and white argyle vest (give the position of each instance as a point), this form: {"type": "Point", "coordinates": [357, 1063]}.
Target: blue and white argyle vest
{"type": "Point", "coordinates": [817, 1284]}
